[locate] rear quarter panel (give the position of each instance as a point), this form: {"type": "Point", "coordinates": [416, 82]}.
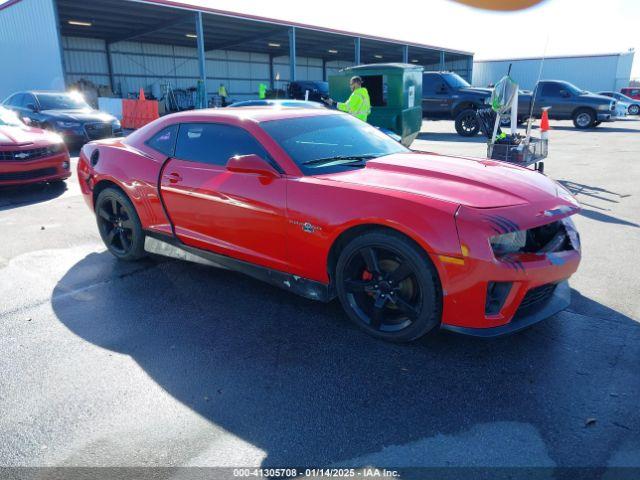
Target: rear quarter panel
{"type": "Point", "coordinates": [134, 171]}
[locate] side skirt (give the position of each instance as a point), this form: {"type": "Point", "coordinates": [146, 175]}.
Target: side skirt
{"type": "Point", "coordinates": [168, 246]}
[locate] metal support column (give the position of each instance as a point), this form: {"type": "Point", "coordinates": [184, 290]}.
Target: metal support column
{"type": "Point", "coordinates": [201, 58]}
{"type": "Point", "coordinates": [405, 53]}
{"type": "Point", "coordinates": [442, 61]}
{"type": "Point", "coordinates": [112, 82]}
{"type": "Point", "coordinates": [356, 57]}
{"type": "Point", "coordinates": [292, 54]}
{"type": "Point", "coordinates": [324, 69]}
{"type": "Point", "coordinates": [271, 82]}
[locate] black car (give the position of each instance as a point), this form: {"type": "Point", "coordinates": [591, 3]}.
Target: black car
{"type": "Point", "coordinates": [66, 113]}
{"type": "Point", "coordinates": [318, 91]}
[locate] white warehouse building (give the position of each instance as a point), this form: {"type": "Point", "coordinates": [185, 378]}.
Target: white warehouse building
{"type": "Point", "coordinates": [589, 72]}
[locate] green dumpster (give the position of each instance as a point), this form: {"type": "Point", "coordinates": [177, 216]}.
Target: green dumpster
{"type": "Point", "coordinates": [396, 95]}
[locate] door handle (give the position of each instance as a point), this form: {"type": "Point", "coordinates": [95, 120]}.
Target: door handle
{"type": "Point", "coordinates": [173, 177]}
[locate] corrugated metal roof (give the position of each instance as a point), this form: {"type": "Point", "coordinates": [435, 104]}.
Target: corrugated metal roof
{"type": "Point", "coordinates": [183, 5]}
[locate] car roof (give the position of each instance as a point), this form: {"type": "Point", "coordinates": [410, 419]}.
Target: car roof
{"type": "Point", "coordinates": [254, 113]}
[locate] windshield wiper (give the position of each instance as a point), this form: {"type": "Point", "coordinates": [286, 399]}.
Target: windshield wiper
{"type": "Point", "coordinates": [341, 159]}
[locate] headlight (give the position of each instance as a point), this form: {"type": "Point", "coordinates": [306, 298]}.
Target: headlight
{"type": "Point", "coordinates": [567, 195]}
{"type": "Point", "coordinates": [511, 242]}
{"type": "Point", "coordinates": [63, 124]}
{"type": "Point", "coordinates": [115, 124]}
{"type": "Point", "coordinates": [572, 232]}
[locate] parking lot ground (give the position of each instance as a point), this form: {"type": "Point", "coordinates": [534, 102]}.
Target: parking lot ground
{"type": "Point", "coordinates": [163, 363]}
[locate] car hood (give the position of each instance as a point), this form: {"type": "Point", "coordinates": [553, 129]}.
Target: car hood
{"type": "Point", "coordinates": [485, 92]}
{"type": "Point", "coordinates": [596, 97]}
{"type": "Point", "coordinates": [465, 181]}
{"type": "Point", "coordinates": [85, 115]}
{"type": "Point", "coordinates": [19, 136]}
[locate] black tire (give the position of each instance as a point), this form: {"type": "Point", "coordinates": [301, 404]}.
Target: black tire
{"type": "Point", "coordinates": [467, 123]}
{"type": "Point", "coordinates": [584, 118]}
{"type": "Point", "coordinates": [119, 225]}
{"type": "Point", "coordinates": [633, 110]}
{"type": "Point", "coordinates": [388, 287]}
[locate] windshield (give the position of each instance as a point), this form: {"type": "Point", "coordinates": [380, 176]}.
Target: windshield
{"type": "Point", "coordinates": [61, 101]}
{"type": "Point", "coordinates": [570, 87]}
{"type": "Point", "coordinates": [330, 143]}
{"type": "Point", "coordinates": [455, 81]}
{"type": "Point", "coordinates": [9, 119]}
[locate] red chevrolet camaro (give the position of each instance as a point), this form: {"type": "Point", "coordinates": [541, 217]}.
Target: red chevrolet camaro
{"type": "Point", "coordinates": [30, 155]}
{"type": "Point", "coordinates": [325, 205]}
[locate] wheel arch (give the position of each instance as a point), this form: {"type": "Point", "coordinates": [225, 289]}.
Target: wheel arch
{"type": "Point", "coordinates": [353, 231]}
{"type": "Point", "coordinates": [585, 107]}
{"type": "Point", "coordinates": [104, 184]}
{"type": "Point", "coordinates": [464, 105]}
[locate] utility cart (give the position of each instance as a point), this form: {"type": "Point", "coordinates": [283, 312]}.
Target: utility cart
{"type": "Point", "coordinates": [518, 149]}
{"type": "Point", "coordinates": [523, 150]}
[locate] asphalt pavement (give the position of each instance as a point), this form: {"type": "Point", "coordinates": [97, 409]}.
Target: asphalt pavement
{"type": "Point", "coordinates": [164, 363]}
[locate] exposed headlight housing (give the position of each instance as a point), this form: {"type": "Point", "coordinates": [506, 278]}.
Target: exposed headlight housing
{"type": "Point", "coordinates": [116, 124]}
{"type": "Point", "coordinates": [507, 243]}
{"type": "Point", "coordinates": [572, 232]}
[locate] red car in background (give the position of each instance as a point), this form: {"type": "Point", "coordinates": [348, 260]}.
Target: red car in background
{"type": "Point", "coordinates": [324, 205]}
{"type": "Point", "coordinates": [30, 155]}
{"type": "Point", "coordinates": [633, 92]}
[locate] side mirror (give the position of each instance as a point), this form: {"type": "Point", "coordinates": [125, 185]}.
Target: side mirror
{"type": "Point", "coordinates": [31, 106]}
{"type": "Point", "coordinates": [564, 94]}
{"type": "Point", "coordinates": [251, 164]}
{"type": "Point", "coordinates": [443, 88]}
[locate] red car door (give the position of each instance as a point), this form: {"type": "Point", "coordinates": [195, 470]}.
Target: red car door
{"type": "Point", "coordinates": [236, 214]}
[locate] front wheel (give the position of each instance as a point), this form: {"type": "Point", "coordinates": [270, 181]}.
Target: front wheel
{"type": "Point", "coordinates": [467, 123]}
{"type": "Point", "coordinates": [119, 225]}
{"type": "Point", "coordinates": [584, 118]}
{"type": "Point", "coordinates": [634, 110]}
{"type": "Point", "coordinates": [388, 287]}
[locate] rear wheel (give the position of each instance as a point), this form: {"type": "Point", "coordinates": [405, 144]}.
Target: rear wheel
{"type": "Point", "coordinates": [467, 123]}
{"type": "Point", "coordinates": [119, 225]}
{"type": "Point", "coordinates": [388, 287]}
{"type": "Point", "coordinates": [634, 110]}
{"type": "Point", "coordinates": [584, 118]}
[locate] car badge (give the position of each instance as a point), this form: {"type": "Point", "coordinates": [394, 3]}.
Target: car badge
{"type": "Point", "coordinates": [21, 156]}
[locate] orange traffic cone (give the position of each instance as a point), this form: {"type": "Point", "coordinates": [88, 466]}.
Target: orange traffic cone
{"type": "Point", "coordinates": [544, 124]}
{"type": "Point", "coordinates": [142, 97]}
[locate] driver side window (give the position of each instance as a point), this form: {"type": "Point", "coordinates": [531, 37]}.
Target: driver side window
{"type": "Point", "coordinates": [215, 143]}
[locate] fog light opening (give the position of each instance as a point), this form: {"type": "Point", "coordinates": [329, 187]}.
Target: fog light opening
{"type": "Point", "coordinates": [497, 293]}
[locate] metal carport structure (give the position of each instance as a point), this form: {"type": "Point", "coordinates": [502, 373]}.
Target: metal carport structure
{"type": "Point", "coordinates": [108, 34]}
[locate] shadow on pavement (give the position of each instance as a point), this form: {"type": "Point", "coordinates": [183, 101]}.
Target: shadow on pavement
{"type": "Point", "coordinates": [599, 129]}
{"type": "Point", "coordinates": [19, 196]}
{"type": "Point", "coordinates": [295, 379]}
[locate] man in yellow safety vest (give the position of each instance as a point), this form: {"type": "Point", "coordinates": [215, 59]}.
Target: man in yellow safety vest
{"type": "Point", "coordinates": [358, 104]}
{"type": "Point", "coordinates": [222, 92]}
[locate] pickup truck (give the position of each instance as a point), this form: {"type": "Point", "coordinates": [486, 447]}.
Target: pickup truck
{"type": "Point", "coordinates": [567, 102]}
{"type": "Point", "coordinates": [447, 96]}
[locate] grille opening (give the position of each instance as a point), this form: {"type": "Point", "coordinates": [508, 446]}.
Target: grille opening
{"type": "Point", "coordinates": [537, 295]}
{"type": "Point", "coordinates": [29, 174]}
{"type": "Point", "coordinates": [496, 295]}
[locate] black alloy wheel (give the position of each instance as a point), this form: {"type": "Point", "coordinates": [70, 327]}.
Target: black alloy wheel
{"type": "Point", "coordinates": [466, 123]}
{"type": "Point", "coordinates": [388, 287]}
{"type": "Point", "coordinates": [119, 225]}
